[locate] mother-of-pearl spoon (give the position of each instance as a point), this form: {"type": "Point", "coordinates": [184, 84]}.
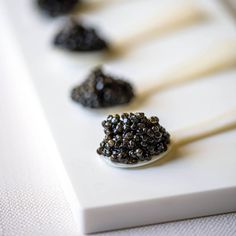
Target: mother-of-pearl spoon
{"type": "Point", "coordinates": [100, 90]}
{"type": "Point", "coordinates": [219, 124]}
{"type": "Point", "coordinates": [78, 37]}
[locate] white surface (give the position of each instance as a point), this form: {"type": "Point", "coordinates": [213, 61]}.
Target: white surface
{"type": "Point", "coordinates": [200, 164]}
{"type": "Point", "coordinates": [35, 205]}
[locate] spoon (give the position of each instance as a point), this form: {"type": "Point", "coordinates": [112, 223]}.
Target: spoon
{"type": "Point", "coordinates": [219, 124]}
{"type": "Point", "coordinates": [78, 37]}
{"type": "Point", "coordinates": [100, 90]}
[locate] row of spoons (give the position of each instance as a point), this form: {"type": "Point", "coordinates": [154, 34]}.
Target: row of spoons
{"type": "Point", "coordinates": [102, 90]}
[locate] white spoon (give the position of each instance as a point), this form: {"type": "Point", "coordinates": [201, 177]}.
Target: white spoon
{"type": "Point", "coordinates": [211, 127]}
{"type": "Point", "coordinates": [216, 58]}
{"type": "Point", "coordinates": [78, 37]}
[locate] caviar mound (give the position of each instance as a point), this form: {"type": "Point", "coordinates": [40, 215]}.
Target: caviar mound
{"type": "Point", "coordinates": [100, 90]}
{"type": "Point", "coordinates": [132, 138]}
{"type": "Point", "coordinates": [76, 37]}
{"type": "Point", "coordinates": [54, 8]}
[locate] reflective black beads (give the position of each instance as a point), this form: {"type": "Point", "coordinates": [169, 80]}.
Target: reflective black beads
{"type": "Point", "coordinates": [55, 8]}
{"type": "Point", "coordinates": [127, 145]}
{"type": "Point", "coordinates": [100, 90]}
{"type": "Point", "coordinates": [76, 37]}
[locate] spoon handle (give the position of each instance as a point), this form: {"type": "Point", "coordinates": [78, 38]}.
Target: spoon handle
{"type": "Point", "coordinates": [219, 124]}
{"type": "Point", "coordinates": [169, 21]}
{"type": "Point", "coordinates": [215, 59]}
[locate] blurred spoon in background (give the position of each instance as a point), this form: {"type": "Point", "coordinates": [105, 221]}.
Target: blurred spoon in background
{"type": "Point", "coordinates": [78, 37]}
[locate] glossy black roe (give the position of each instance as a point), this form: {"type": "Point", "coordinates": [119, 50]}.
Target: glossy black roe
{"type": "Point", "coordinates": [55, 8]}
{"type": "Point", "coordinates": [101, 90]}
{"type": "Point", "coordinates": [132, 145]}
{"type": "Point", "coordinates": [76, 37]}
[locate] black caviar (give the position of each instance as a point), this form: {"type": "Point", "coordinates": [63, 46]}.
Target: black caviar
{"type": "Point", "coordinates": [132, 138]}
{"type": "Point", "coordinates": [101, 90]}
{"type": "Point", "coordinates": [55, 8]}
{"type": "Point", "coordinates": [76, 37]}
